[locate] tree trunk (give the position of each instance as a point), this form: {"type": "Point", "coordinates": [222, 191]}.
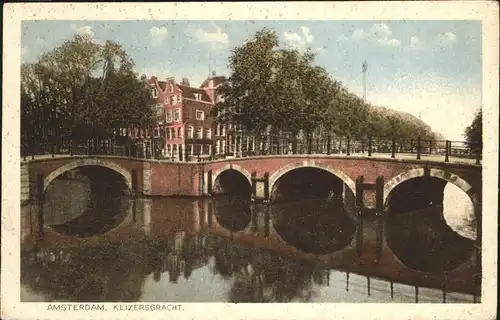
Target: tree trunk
{"type": "Point", "coordinates": [329, 144]}
{"type": "Point", "coordinates": [257, 140]}
{"type": "Point", "coordinates": [309, 142]}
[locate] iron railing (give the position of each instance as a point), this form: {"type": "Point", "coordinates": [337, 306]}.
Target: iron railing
{"type": "Point", "coordinates": [417, 148]}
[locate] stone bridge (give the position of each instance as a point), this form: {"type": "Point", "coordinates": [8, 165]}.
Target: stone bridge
{"type": "Point", "coordinates": [381, 176]}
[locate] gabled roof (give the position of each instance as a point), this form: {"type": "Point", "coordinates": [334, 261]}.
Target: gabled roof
{"type": "Point", "coordinates": [217, 81]}
{"type": "Point", "coordinates": [162, 84]}
{"type": "Point", "coordinates": [188, 92]}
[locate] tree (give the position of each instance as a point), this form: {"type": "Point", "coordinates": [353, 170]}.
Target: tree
{"type": "Point", "coordinates": [64, 97]}
{"type": "Point", "coordinates": [279, 91]}
{"type": "Point", "coordinates": [474, 133]}
{"type": "Point", "coordinates": [248, 96]}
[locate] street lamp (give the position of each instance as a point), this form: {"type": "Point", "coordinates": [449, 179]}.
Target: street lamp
{"type": "Point", "coordinates": [364, 68]}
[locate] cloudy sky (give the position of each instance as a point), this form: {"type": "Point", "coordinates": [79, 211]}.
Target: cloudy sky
{"type": "Point", "coordinates": [427, 68]}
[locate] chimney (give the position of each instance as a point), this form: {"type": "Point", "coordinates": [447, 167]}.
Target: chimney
{"type": "Point", "coordinates": [185, 82]}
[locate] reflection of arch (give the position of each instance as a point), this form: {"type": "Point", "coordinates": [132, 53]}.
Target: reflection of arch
{"type": "Point", "coordinates": [437, 173]}
{"type": "Point", "coordinates": [235, 167]}
{"type": "Point", "coordinates": [311, 164]}
{"type": "Point", "coordinates": [89, 162]}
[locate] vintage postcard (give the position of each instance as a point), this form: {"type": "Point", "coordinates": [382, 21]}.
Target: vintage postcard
{"type": "Point", "coordinates": [288, 160]}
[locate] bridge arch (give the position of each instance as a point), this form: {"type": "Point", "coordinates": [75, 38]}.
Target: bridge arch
{"type": "Point", "coordinates": [230, 166]}
{"type": "Point", "coordinates": [311, 164]}
{"type": "Point", "coordinates": [437, 173]}
{"type": "Point", "coordinates": [89, 162]}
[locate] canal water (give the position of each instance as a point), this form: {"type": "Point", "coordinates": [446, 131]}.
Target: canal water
{"type": "Point", "coordinates": [104, 247]}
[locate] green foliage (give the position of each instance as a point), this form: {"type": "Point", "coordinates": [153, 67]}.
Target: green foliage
{"type": "Point", "coordinates": [474, 132]}
{"type": "Point", "coordinates": [79, 90]}
{"type": "Point", "coordinates": [284, 90]}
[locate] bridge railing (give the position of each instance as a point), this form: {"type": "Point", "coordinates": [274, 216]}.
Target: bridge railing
{"type": "Point", "coordinates": [441, 150]}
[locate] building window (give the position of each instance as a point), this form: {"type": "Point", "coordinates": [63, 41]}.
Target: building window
{"type": "Point", "coordinates": [197, 96]}
{"type": "Point", "coordinates": [199, 133]}
{"type": "Point", "coordinates": [179, 133]}
{"type": "Point", "coordinates": [179, 98]}
{"type": "Point", "coordinates": [173, 133]}
{"type": "Point", "coordinates": [200, 115]}
{"type": "Point", "coordinates": [154, 93]}
{"type": "Point", "coordinates": [166, 100]}
{"type": "Point", "coordinates": [177, 115]}
{"type": "Point", "coordinates": [208, 133]}
{"type": "Point", "coordinates": [189, 132]}
{"type": "Point", "coordinates": [223, 130]}
{"type": "Point", "coordinates": [174, 100]}
{"type": "Point", "coordinates": [169, 116]}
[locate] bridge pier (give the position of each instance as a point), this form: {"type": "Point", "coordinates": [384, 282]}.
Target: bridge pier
{"type": "Point", "coordinates": [348, 199]}
{"type": "Point", "coordinates": [142, 214]}
{"type": "Point", "coordinates": [370, 196]}
{"type": "Point", "coordinates": [260, 188]}
{"type": "Point", "coordinates": [36, 210]}
{"type": "Point", "coordinates": [260, 221]}
{"type": "Point", "coordinates": [370, 203]}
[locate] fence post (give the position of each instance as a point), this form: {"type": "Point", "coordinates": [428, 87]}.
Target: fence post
{"type": "Point", "coordinates": [411, 146]}
{"type": "Point", "coordinates": [478, 153]}
{"type": "Point", "coordinates": [393, 148]}
{"type": "Point", "coordinates": [447, 153]}
{"type": "Point", "coordinates": [348, 146]}
{"type": "Point", "coordinates": [418, 148]}
{"type": "Point", "coordinates": [52, 150]}
{"type": "Point", "coordinates": [370, 146]}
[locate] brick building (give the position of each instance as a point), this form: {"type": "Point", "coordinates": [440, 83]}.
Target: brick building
{"type": "Point", "coordinates": [189, 120]}
{"type": "Point", "coordinates": [190, 129]}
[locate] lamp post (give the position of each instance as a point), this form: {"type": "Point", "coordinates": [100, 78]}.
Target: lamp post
{"type": "Point", "coordinates": [364, 68]}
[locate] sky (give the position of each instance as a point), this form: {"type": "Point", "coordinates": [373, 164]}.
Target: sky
{"type": "Point", "coordinates": [431, 69]}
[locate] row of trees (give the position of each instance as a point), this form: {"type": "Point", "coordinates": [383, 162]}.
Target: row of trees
{"type": "Point", "coordinates": [277, 91]}
{"type": "Point", "coordinates": [474, 133]}
{"type": "Point", "coordinates": [80, 90]}
{"type": "Point", "coordinates": [84, 89]}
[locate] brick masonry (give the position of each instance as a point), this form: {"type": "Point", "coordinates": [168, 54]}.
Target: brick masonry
{"type": "Point", "coordinates": [160, 178]}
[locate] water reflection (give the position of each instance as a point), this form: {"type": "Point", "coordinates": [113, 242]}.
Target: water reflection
{"type": "Point", "coordinates": [422, 240]}
{"type": "Point", "coordinates": [104, 214]}
{"type": "Point", "coordinates": [226, 249]}
{"type": "Point", "coordinates": [232, 212]}
{"type": "Point", "coordinates": [314, 226]}
{"type": "Point", "coordinates": [91, 273]}
{"type": "Point", "coordinates": [85, 202]}
{"type": "Point", "coordinates": [458, 211]}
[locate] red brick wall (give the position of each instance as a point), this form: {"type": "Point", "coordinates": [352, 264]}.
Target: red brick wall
{"type": "Point", "coordinates": [184, 178]}
{"type": "Point", "coordinates": [169, 179]}
{"type": "Point", "coordinates": [353, 167]}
